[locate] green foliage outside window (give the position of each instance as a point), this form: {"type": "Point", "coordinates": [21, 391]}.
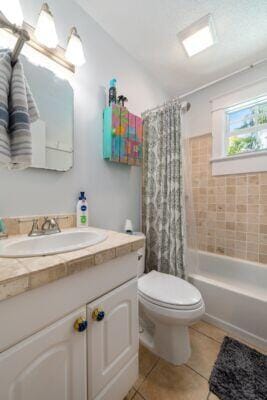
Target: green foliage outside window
{"type": "Point", "coordinates": [249, 142]}
{"type": "Point", "coordinates": [262, 116]}
{"type": "Point", "coordinates": [238, 144]}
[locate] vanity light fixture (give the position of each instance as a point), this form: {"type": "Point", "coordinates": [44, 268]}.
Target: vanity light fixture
{"type": "Point", "coordinates": [45, 31]}
{"type": "Point", "coordinates": [12, 11]}
{"type": "Point", "coordinates": [74, 52]}
{"type": "Point", "coordinates": [43, 38]}
{"type": "Point", "coordinates": [198, 36]}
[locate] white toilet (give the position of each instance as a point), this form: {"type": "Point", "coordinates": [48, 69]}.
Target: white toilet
{"type": "Point", "coordinates": [167, 306]}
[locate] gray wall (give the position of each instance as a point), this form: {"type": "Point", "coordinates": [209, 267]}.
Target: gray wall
{"type": "Point", "coordinates": [198, 120]}
{"type": "Point", "coordinates": [113, 191]}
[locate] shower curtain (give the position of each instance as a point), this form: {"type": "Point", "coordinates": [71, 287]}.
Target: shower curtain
{"type": "Point", "coordinates": [162, 208]}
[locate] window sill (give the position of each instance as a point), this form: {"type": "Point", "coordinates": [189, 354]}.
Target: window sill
{"type": "Point", "coordinates": [238, 164]}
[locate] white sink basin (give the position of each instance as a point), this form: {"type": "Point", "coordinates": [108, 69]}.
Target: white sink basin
{"type": "Point", "coordinates": [63, 242]}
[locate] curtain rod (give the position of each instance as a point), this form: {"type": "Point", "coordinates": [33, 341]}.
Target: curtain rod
{"type": "Point", "coordinates": [185, 106]}
{"type": "Point", "coordinates": [23, 36]}
{"type": "Point", "coordinates": [251, 66]}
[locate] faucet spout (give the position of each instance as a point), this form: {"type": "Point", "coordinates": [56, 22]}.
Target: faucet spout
{"type": "Point", "coordinates": [50, 226]}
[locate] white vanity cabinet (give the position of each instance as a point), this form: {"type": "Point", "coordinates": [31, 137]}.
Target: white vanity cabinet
{"type": "Point", "coordinates": [43, 357]}
{"type": "Point", "coordinates": [112, 343]}
{"type": "Point", "coordinates": [51, 364]}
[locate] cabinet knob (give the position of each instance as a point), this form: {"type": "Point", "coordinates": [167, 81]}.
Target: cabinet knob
{"type": "Point", "coordinates": [98, 314]}
{"type": "Point", "coordinates": [80, 324]}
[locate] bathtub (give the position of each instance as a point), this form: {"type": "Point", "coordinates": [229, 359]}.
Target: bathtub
{"type": "Point", "coordinates": [235, 294]}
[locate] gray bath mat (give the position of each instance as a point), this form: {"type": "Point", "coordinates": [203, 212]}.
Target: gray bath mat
{"type": "Point", "coordinates": [239, 373]}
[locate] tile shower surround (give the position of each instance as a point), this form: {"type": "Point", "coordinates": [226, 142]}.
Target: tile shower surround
{"type": "Point", "coordinates": [230, 211]}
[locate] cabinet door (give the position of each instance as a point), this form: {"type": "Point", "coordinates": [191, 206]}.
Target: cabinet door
{"type": "Point", "coordinates": [113, 341]}
{"type": "Point", "coordinates": [51, 364]}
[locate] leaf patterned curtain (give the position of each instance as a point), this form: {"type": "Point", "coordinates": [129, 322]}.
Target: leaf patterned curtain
{"type": "Point", "coordinates": [162, 191]}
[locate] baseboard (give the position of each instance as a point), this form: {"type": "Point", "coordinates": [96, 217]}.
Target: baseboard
{"type": "Point", "coordinates": [247, 336]}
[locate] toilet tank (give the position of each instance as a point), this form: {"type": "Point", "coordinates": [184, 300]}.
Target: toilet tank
{"type": "Point", "coordinates": [141, 256]}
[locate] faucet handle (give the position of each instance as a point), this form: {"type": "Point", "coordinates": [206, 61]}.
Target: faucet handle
{"type": "Point", "coordinates": [35, 222]}
{"type": "Point", "coordinates": [35, 231]}
{"type": "Point", "coordinates": [50, 225]}
{"type": "Point", "coordinates": [55, 225]}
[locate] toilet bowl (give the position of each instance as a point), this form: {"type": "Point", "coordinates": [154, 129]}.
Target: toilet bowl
{"type": "Point", "coordinates": [167, 306]}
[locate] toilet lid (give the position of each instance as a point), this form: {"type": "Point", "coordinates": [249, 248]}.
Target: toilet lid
{"type": "Point", "coordinates": [168, 290]}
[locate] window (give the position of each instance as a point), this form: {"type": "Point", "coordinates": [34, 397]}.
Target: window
{"type": "Point", "coordinates": [246, 127]}
{"type": "Point", "coordinates": [239, 130]}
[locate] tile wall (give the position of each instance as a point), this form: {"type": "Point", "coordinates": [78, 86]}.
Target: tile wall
{"type": "Point", "coordinates": [230, 211]}
{"type": "Point", "coordinates": [22, 225]}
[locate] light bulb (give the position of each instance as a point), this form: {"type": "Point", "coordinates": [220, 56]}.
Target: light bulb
{"type": "Point", "coordinates": [45, 31]}
{"type": "Point", "coordinates": [74, 52]}
{"type": "Point", "coordinates": [12, 11]}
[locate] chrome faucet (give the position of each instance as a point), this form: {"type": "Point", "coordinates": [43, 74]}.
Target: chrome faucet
{"type": "Point", "coordinates": [35, 231]}
{"type": "Point", "coordinates": [49, 227]}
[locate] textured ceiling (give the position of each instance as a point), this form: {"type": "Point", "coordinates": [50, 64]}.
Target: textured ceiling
{"type": "Point", "coordinates": [148, 29]}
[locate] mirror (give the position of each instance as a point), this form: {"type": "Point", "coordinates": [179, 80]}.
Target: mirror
{"type": "Point", "coordinates": [52, 134]}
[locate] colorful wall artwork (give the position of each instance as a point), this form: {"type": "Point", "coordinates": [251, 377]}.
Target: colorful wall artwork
{"type": "Point", "coordinates": [123, 136]}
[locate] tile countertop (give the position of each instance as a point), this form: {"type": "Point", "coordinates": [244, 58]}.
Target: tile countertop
{"type": "Point", "coordinates": [18, 275]}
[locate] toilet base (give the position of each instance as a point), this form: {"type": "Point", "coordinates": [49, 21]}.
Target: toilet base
{"type": "Point", "coordinates": [171, 344]}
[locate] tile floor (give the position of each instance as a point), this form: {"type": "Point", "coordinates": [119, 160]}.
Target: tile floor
{"type": "Point", "coordinates": [159, 380]}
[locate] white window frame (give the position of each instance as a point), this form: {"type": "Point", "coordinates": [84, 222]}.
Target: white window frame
{"type": "Point", "coordinates": [222, 164]}
{"type": "Point", "coordinates": [242, 131]}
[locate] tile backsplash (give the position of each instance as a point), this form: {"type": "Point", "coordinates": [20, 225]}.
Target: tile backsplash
{"type": "Point", "coordinates": [230, 211]}
{"type": "Point", "coordinates": [22, 225]}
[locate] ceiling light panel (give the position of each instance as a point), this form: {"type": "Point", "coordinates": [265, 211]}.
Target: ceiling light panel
{"type": "Point", "coordinates": [198, 36]}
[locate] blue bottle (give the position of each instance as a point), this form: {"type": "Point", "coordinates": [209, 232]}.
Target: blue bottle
{"type": "Point", "coordinates": [112, 97]}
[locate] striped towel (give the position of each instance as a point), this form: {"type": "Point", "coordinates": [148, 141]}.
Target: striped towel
{"type": "Point", "coordinates": [5, 77]}
{"type": "Point", "coordinates": [17, 111]}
